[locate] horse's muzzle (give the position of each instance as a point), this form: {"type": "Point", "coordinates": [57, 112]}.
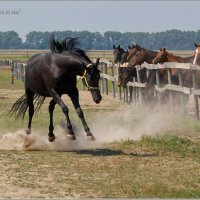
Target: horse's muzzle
{"type": "Point", "coordinates": [96, 96]}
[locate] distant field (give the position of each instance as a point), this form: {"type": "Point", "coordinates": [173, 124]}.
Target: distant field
{"type": "Point", "coordinates": [106, 54]}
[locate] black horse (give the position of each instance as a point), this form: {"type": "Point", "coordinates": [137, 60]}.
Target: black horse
{"type": "Point", "coordinates": [54, 74]}
{"type": "Point", "coordinates": [117, 53]}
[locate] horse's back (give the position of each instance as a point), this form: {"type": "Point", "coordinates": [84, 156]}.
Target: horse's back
{"type": "Point", "coordinates": [38, 75]}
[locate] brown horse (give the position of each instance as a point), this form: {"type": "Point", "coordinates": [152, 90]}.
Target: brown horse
{"type": "Point", "coordinates": [164, 56]}
{"type": "Point", "coordinates": [140, 57]}
{"type": "Point", "coordinates": [133, 50]}
{"type": "Point", "coordinates": [196, 61]}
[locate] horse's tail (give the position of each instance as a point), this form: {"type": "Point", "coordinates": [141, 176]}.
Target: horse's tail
{"type": "Point", "coordinates": [20, 107]}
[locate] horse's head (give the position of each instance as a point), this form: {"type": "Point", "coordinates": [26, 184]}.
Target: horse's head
{"type": "Point", "coordinates": [138, 58]}
{"type": "Point", "coordinates": [91, 79]}
{"type": "Point", "coordinates": [124, 57]}
{"type": "Point", "coordinates": [133, 50]}
{"type": "Point", "coordinates": [196, 60]}
{"type": "Point", "coordinates": [126, 74]}
{"type": "Point", "coordinates": [117, 53]}
{"type": "Point", "coordinates": [161, 56]}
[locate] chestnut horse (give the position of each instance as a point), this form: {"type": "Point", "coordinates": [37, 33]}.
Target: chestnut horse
{"type": "Point", "coordinates": [164, 56]}
{"type": "Point", "coordinates": [196, 61]}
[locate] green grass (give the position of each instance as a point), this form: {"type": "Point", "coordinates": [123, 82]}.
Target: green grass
{"type": "Point", "coordinates": [6, 80]}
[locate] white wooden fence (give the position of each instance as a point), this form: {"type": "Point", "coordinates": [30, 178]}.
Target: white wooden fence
{"type": "Point", "coordinates": [174, 91]}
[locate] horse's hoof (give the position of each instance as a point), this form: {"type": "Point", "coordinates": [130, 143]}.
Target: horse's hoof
{"type": "Point", "coordinates": [91, 138]}
{"type": "Point", "coordinates": [51, 138]}
{"type": "Point", "coordinates": [28, 131]}
{"type": "Point", "coordinates": [71, 137]}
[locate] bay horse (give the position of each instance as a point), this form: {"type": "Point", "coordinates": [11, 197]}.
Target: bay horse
{"type": "Point", "coordinates": [130, 72]}
{"type": "Point", "coordinates": [54, 74]}
{"type": "Point", "coordinates": [133, 50]}
{"type": "Point", "coordinates": [140, 57]}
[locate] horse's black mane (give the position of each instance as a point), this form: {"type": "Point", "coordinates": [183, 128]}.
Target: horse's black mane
{"type": "Point", "coordinates": [69, 44]}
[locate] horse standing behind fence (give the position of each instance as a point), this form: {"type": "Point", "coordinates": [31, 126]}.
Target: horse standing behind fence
{"type": "Point", "coordinates": [117, 53]}
{"type": "Point", "coordinates": [164, 56]}
{"type": "Point", "coordinates": [54, 74]}
{"type": "Point", "coordinates": [140, 57]}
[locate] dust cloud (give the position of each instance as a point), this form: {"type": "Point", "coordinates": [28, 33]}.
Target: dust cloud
{"type": "Point", "coordinates": [107, 127]}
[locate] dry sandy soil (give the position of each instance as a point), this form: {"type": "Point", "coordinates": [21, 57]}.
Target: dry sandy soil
{"type": "Point", "coordinates": [104, 168]}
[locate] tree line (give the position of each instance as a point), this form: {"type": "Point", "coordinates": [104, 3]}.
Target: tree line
{"type": "Point", "coordinates": [171, 39]}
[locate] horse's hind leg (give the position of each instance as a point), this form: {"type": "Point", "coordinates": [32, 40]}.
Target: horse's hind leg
{"type": "Point", "coordinates": [29, 95]}
{"type": "Point", "coordinates": [51, 127]}
{"type": "Point", "coordinates": [75, 100]}
{"type": "Point", "coordinates": [65, 110]}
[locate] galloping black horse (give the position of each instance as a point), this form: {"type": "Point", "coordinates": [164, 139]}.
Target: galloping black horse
{"type": "Point", "coordinates": [54, 74]}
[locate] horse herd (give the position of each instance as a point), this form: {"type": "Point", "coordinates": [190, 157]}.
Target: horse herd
{"type": "Point", "coordinates": [136, 55]}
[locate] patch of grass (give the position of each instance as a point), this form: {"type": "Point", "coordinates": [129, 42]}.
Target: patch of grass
{"type": "Point", "coordinates": [5, 81]}
{"type": "Point", "coordinates": [172, 143]}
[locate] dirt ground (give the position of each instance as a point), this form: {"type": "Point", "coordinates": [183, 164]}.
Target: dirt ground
{"type": "Point", "coordinates": [120, 163]}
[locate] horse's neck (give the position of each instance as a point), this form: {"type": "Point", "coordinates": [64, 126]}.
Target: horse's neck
{"type": "Point", "coordinates": [172, 58]}
{"type": "Point", "coordinates": [150, 56]}
{"type": "Point", "coordinates": [179, 59]}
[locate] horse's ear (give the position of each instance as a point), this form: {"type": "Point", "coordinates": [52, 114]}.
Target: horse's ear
{"type": "Point", "coordinates": [114, 46]}
{"type": "Point", "coordinates": [97, 62]}
{"type": "Point", "coordinates": [160, 49]}
{"type": "Point", "coordinates": [84, 66]}
{"type": "Point", "coordinates": [118, 47]}
{"type": "Point", "coordinates": [133, 46]}
{"type": "Point", "coordinates": [195, 44]}
{"type": "Point", "coordinates": [129, 47]}
{"type": "Point", "coordinates": [164, 49]}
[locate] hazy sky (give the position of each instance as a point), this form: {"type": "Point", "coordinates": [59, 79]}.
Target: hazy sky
{"type": "Point", "coordinates": [101, 16]}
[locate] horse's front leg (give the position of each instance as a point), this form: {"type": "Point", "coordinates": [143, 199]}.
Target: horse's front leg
{"type": "Point", "coordinates": [65, 110]}
{"type": "Point", "coordinates": [29, 95]}
{"type": "Point", "coordinates": [51, 127]}
{"type": "Point", "coordinates": [74, 95]}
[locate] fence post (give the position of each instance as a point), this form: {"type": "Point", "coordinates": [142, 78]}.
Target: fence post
{"type": "Point", "coordinates": [158, 85]}
{"type": "Point", "coordinates": [119, 88]}
{"type": "Point", "coordinates": [170, 92]}
{"type": "Point", "coordinates": [113, 82]}
{"type": "Point", "coordinates": [196, 103]}
{"type": "Point", "coordinates": [125, 90]}
{"type": "Point", "coordinates": [140, 89]}
{"type": "Point", "coordinates": [106, 80]}
{"type": "Point", "coordinates": [12, 78]}
{"type": "Point", "coordinates": [102, 79]}
{"type": "Point", "coordinates": [180, 78]}
{"type": "Point", "coordinates": [130, 90]}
